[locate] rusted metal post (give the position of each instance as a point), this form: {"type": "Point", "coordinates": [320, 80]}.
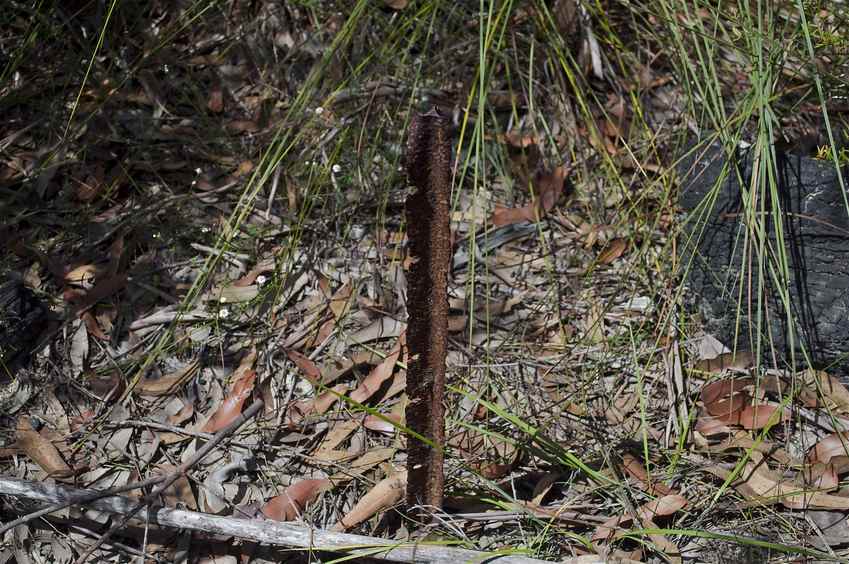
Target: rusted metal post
{"type": "Point", "coordinates": [428, 164]}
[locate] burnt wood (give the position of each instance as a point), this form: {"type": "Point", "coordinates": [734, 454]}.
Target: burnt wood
{"type": "Point", "coordinates": [723, 276]}
{"type": "Point", "coordinates": [23, 319]}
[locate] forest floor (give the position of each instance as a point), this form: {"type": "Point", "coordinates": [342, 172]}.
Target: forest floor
{"type": "Point", "coordinates": [209, 198]}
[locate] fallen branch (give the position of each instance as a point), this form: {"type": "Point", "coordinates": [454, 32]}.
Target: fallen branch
{"type": "Point", "coordinates": [264, 531]}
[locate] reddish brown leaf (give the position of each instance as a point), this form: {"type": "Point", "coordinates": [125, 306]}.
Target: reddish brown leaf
{"type": "Point", "coordinates": [546, 189]}
{"type": "Point", "coordinates": [375, 379]}
{"type": "Point", "coordinates": [666, 505]}
{"type": "Point", "coordinates": [169, 383]}
{"type": "Point", "coordinates": [216, 101]}
{"type": "Point", "coordinates": [722, 388]}
{"type": "Point", "coordinates": [728, 407]}
{"type": "Point", "coordinates": [290, 504]}
{"type": "Point", "coordinates": [381, 425]}
{"type": "Point", "coordinates": [240, 391]}
{"type": "Point", "coordinates": [835, 444]}
{"type": "Point", "coordinates": [739, 361]}
{"type": "Point", "coordinates": [636, 470]}
{"type": "Point", "coordinates": [819, 476]}
{"type": "Point", "coordinates": [758, 416]}
{"type": "Point", "coordinates": [613, 251]}
{"type": "Point", "coordinates": [92, 326]}
{"type": "Point", "coordinates": [310, 369]}
{"type": "Point", "coordinates": [302, 409]}
{"type": "Point", "coordinates": [711, 426]}
{"type": "Point", "coordinates": [385, 494]}
{"type": "Point", "coordinates": [41, 451]}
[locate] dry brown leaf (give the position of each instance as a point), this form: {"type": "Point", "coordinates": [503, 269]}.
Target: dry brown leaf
{"type": "Point", "coordinates": [244, 378]}
{"type": "Point", "coordinates": [488, 455]}
{"type": "Point", "coordinates": [363, 464]}
{"type": "Point", "coordinates": [661, 507]}
{"type": "Point", "coordinates": [101, 290]}
{"type": "Point", "coordinates": [180, 492]}
{"type": "Point", "coordinates": [340, 302]}
{"type": "Point", "coordinates": [290, 504]}
{"type": "Point", "coordinates": [759, 416]}
{"type": "Point", "coordinates": [835, 444]}
{"type": "Point", "coordinates": [757, 484]}
{"type": "Point", "coordinates": [518, 139]}
{"type": "Point", "coordinates": [336, 435]}
{"type": "Point", "coordinates": [215, 104]}
{"type": "Point", "coordinates": [169, 383]}
{"type": "Point", "coordinates": [613, 251]}
{"type": "Point", "coordinates": [310, 369]}
{"type": "Point", "coordinates": [820, 476]}
{"type": "Point", "coordinates": [93, 327]}
{"type": "Point", "coordinates": [722, 388]}
{"type": "Point", "coordinates": [710, 426]}
{"type": "Point", "coordinates": [396, 4]}
{"type": "Point", "coordinates": [739, 361]}
{"type": "Point", "coordinates": [385, 494]}
{"type": "Point", "coordinates": [546, 189]}
{"type": "Point", "coordinates": [41, 451]}
{"type": "Point", "coordinates": [635, 469]}
{"type": "Point", "coordinates": [248, 279]}
{"type": "Point", "coordinates": [818, 386]}
{"type": "Point", "coordinates": [83, 275]}
{"type": "Point", "coordinates": [302, 409]}
{"type": "Point", "coordinates": [376, 377]}
{"type": "Point", "coordinates": [381, 425]}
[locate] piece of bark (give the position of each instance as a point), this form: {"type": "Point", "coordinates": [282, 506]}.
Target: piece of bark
{"type": "Point", "coordinates": [428, 163]}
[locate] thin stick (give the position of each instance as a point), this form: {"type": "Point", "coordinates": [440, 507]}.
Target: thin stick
{"type": "Point", "coordinates": [181, 470]}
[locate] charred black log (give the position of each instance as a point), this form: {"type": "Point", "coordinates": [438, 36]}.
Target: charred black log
{"type": "Point", "coordinates": [725, 271]}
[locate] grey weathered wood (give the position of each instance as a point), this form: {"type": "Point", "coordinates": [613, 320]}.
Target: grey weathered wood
{"type": "Point", "coordinates": [815, 229]}
{"type": "Point", "coordinates": [267, 532]}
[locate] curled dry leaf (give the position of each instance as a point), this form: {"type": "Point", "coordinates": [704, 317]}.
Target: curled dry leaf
{"type": "Point", "coordinates": [728, 407]}
{"type": "Point", "coordinates": [547, 188]}
{"type": "Point", "coordinates": [240, 391]}
{"type": "Point", "coordinates": [758, 484]}
{"type": "Point", "coordinates": [721, 388]}
{"type": "Point", "coordinates": [41, 451]}
{"type": "Point", "coordinates": [613, 251]}
{"type": "Point", "coordinates": [711, 426]}
{"type": "Point", "coordinates": [385, 494]}
{"type": "Point", "coordinates": [376, 378]}
{"type": "Point", "coordinates": [290, 504]}
{"type": "Point", "coordinates": [759, 416]}
{"type": "Point", "coordinates": [820, 389]}
{"type": "Point", "coordinates": [170, 383]}
{"type": "Point", "coordinates": [636, 470]}
{"type": "Point", "coordinates": [661, 507]}
{"type": "Point", "coordinates": [835, 444]}
{"type": "Point", "coordinates": [740, 360]}
{"type": "Point", "coordinates": [310, 369]}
